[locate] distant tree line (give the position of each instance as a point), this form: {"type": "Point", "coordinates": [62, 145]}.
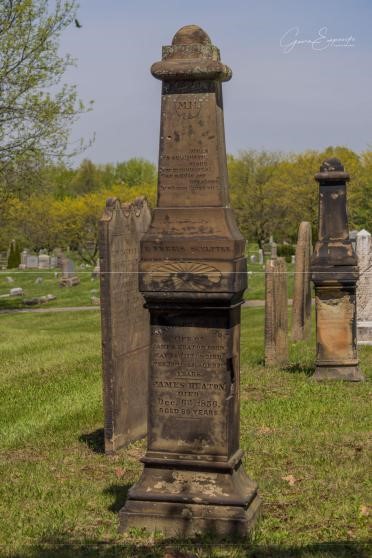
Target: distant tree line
{"type": "Point", "coordinates": [270, 192]}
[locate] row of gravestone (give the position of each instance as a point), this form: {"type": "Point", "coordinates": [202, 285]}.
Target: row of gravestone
{"type": "Point", "coordinates": [190, 268]}
{"type": "Point", "coordinates": [125, 321]}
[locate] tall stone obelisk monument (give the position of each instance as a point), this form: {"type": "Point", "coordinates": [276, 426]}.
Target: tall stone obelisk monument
{"type": "Point", "coordinates": [193, 275]}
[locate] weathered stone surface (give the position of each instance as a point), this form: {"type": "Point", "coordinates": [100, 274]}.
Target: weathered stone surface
{"type": "Point", "coordinates": [364, 288]}
{"type": "Point", "coordinates": [193, 275]}
{"type": "Point", "coordinates": [125, 323]}
{"type": "Point", "coordinates": [334, 270]}
{"type": "Point", "coordinates": [276, 313]}
{"type": "Point", "coordinates": [301, 309]}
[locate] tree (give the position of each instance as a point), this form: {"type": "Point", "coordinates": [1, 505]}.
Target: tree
{"type": "Point", "coordinates": [135, 171]}
{"type": "Point", "coordinates": [255, 195]}
{"type": "Point", "coordinates": [36, 110]}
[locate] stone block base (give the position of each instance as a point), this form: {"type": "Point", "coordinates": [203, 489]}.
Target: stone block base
{"type": "Point", "coordinates": [69, 281]}
{"type": "Point", "coordinates": [364, 333]}
{"type": "Point", "coordinates": [188, 520]}
{"type": "Point", "coordinates": [179, 501]}
{"type": "Point", "coordinates": [345, 373]}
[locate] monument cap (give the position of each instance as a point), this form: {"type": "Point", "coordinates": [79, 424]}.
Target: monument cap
{"type": "Point", "coordinates": [332, 170]}
{"type": "Point", "coordinates": [191, 57]}
{"type": "Point", "coordinates": [190, 35]}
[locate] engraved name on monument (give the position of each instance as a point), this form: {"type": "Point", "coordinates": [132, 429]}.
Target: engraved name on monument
{"type": "Point", "coordinates": [125, 323]}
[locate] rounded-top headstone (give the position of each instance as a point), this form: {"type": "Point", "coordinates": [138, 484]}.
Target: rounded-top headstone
{"type": "Point", "coordinates": [190, 35]}
{"type": "Point", "coordinates": [363, 232]}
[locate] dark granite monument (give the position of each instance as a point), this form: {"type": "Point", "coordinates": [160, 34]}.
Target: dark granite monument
{"type": "Point", "coordinates": [125, 323]}
{"type": "Point", "coordinates": [334, 271]}
{"type": "Point", "coordinates": [301, 308]}
{"type": "Point", "coordinates": [276, 313]}
{"type": "Point", "coordinates": [193, 275]}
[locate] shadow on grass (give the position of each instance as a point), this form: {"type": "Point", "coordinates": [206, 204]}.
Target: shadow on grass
{"type": "Point", "coordinates": [94, 440]}
{"type": "Point", "coordinates": [298, 368]}
{"type": "Point", "coordinates": [120, 493]}
{"type": "Point", "coordinates": [187, 549]}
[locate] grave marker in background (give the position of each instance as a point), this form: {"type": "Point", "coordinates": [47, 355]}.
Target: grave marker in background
{"type": "Point", "coordinates": [364, 288]}
{"type": "Point", "coordinates": [301, 309]}
{"type": "Point", "coordinates": [125, 323]}
{"type": "Point", "coordinates": [334, 271]}
{"type": "Point", "coordinates": [276, 313]}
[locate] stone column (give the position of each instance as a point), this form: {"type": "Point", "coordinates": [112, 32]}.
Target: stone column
{"type": "Point", "coordinates": [334, 271]}
{"type": "Point", "coordinates": [193, 275]}
{"type": "Point", "coordinates": [364, 288]}
{"type": "Point", "coordinates": [301, 308]}
{"type": "Point", "coordinates": [276, 313]}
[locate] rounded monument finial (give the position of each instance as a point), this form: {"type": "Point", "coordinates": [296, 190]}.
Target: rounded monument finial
{"type": "Point", "coordinates": [191, 35]}
{"type": "Point", "coordinates": [332, 165]}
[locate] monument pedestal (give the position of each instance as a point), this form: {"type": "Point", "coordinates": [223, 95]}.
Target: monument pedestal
{"type": "Point", "coordinates": [186, 499]}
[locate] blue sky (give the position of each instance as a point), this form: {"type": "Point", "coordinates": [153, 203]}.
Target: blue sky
{"type": "Point", "coordinates": [303, 99]}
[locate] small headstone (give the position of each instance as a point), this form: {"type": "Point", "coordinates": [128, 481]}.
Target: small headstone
{"type": "Point", "coordinates": [23, 264]}
{"type": "Point", "coordinates": [53, 261]}
{"type": "Point", "coordinates": [125, 323]}
{"type": "Point", "coordinates": [274, 250]}
{"type": "Point", "coordinates": [364, 288]}
{"type": "Point", "coordinates": [96, 270]}
{"type": "Point", "coordinates": [38, 280]}
{"type": "Point", "coordinates": [9, 279]}
{"type": "Point", "coordinates": [69, 278]}
{"type": "Point", "coordinates": [260, 256]}
{"type": "Point", "coordinates": [32, 262]}
{"type": "Point", "coordinates": [276, 313]}
{"type": "Point", "coordinates": [31, 301]}
{"type": "Point", "coordinates": [44, 261]}
{"type": "Point", "coordinates": [293, 259]}
{"type": "Point", "coordinates": [16, 291]}
{"type": "Point", "coordinates": [253, 258]}
{"type": "Point", "coordinates": [301, 308]}
{"type": "Point", "coordinates": [47, 298]}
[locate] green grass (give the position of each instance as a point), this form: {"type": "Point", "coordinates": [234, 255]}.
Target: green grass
{"type": "Point", "coordinates": [256, 281]}
{"type": "Point", "coordinates": [80, 295]}
{"type": "Point", "coordinates": [305, 443]}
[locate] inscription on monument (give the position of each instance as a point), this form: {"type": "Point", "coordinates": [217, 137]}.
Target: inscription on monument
{"type": "Point", "coordinates": [189, 382]}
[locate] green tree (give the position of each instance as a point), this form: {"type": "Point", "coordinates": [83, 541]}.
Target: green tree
{"type": "Point", "coordinates": [135, 171]}
{"type": "Point", "coordinates": [36, 109]}
{"type": "Point", "coordinates": [255, 194]}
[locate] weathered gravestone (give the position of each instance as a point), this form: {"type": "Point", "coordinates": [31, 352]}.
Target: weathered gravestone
{"type": "Point", "coordinates": [69, 278]}
{"type": "Point", "coordinates": [32, 262]}
{"type": "Point", "coordinates": [364, 288]}
{"type": "Point", "coordinates": [193, 275]}
{"type": "Point", "coordinates": [125, 323]}
{"type": "Point", "coordinates": [301, 308]}
{"type": "Point", "coordinates": [276, 313]}
{"type": "Point", "coordinates": [334, 271]}
{"type": "Point", "coordinates": [44, 261]}
{"type": "Point", "coordinates": [260, 256]}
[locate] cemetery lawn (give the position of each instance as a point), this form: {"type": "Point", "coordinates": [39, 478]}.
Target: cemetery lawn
{"type": "Point", "coordinates": [80, 295]}
{"type": "Point", "coordinates": [305, 443]}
